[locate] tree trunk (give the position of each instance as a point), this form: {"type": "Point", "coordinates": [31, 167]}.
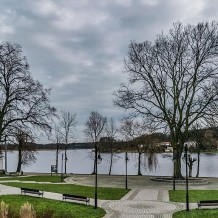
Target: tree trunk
{"type": "Point", "coordinates": [178, 149]}
{"type": "Point", "coordinates": [19, 163]}
{"type": "Point", "coordinates": [57, 151]}
{"type": "Point", "coordinates": [65, 162]}
{"type": "Point", "coordinates": [198, 164]}
{"type": "Point", "coordinates": [190, 169]}
{"type": "Point", "coordinates": [111, 162]}
{"type": "Point", "coordinates": [139, 165]}
{"type": "Point", "coordinates": [177, 167]}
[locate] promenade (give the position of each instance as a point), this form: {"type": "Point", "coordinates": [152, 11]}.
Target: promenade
{"type": "Point", "coordinates": [146, 199]}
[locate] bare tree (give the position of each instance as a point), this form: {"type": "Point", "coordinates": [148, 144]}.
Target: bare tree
{"type": "Point", "coordinates": [197, 135]}
{"type": "Point", "coordinates": [111, 132]}
{"type": "Point", "coordinates": [24, 102]}
{"type": "Point", "coordinates": [94, 127]}
{"type": "Point", "coordinates": [174, 81]}
{"type": "Point", "coordinates": [136, 136]}
{"type": "Point", "coordinates": [58, 139]}
{"type": "Point", "coordinates": [68, 123]}
{"type": "Point", "coordinates": [190, 162]}
{"type": "Point", "coordinates": [26, 148]}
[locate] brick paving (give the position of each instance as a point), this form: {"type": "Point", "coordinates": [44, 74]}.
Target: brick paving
{"type": "Point", "coordinates": [146, 199]}
{"type": "Point", "coordinates": [142, 203]}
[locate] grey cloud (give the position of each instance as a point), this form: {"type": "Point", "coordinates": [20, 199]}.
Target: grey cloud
{"type": "Point", "coordinates": [77, 47]}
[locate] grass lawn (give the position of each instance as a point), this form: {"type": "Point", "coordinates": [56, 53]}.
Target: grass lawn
{"type": "Point", "coordinates": [194, 195]}
{"type": "Point", "coordinates": [45, 207]}
{"type": "Point", "coordinates": [202, 213]}
{"type": "Point", "coordinates": [88, 191]}
{"type": "Point", "coordinates": [53, 178]}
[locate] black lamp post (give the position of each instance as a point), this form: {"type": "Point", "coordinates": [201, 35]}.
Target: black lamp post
{"type": "Point", "coordinates": [186, 165]}
{"type": "Point", "coordinates": [62, 167]}
{"type": "Point", "coordinates": [126, 160]}
{"type": "Point", "coordinates": [65, 162]}
{"type": "Point", "coordinates": [98, 160]}
{"type": "Point", "coordinates": [174, 178]}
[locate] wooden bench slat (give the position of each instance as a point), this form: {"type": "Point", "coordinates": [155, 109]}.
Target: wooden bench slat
{"type": "Point", "coordinates": [76, 198]}
{"type": "Point", "coordinates": [31, 191]}
{"type": "Point", "coordinates": [208, 203]}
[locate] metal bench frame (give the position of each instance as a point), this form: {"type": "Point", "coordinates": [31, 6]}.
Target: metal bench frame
{"type": "Point", "coordinates": [31, 191]}
{"type": "Point", "coordinates": [76, 198]}
{"type": "Point", "coordinates": [207, 203]}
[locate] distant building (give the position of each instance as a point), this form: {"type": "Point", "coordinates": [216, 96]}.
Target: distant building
{"type": "Point", "coordinates": [167, 146]}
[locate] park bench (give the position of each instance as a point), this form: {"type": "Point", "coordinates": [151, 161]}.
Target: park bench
{"type": "Point", "coordinates": [31, 191]}
{"type": "Point", "coordinates": [76, 198]}
{"type": "Point", "coordinates": [208, 203]}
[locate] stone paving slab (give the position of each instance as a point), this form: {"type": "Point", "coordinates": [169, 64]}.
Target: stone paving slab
{"type": "Point", "coordinates": [127, 208]}
{"type": "Point", "coordinates": [146, 194]}
{"type": "Point", "coordinates": [149, 202]}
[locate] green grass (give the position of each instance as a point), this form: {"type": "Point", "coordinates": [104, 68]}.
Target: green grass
{"type": "Point", "coordinates": [54, 179]}
{"type": "Point", "coordinates": [57, 208]}
{"type": "Point", "coordinates": [202, 213]}
{"type": "Point", "coordinates": [88, 191]}
{"type": "Point", "coordinates": [194, 195]}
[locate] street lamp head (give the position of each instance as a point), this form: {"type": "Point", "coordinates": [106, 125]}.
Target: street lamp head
{"type": "Point", "coordinates": [99, 159]}
{"type": "Point", "coordinates": [127, 159]}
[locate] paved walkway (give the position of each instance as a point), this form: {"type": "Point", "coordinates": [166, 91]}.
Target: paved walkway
{"type": "Point", "coordinates": [145, 203]}
{"type": "Point", "coordinates": [145, 200]}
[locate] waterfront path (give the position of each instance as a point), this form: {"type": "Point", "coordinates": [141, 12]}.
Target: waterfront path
{"type": "Point", "coordinates": [146, 198]}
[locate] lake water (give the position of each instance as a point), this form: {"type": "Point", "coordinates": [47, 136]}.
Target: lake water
{"type": "Point", "coordinates": [81, 162]}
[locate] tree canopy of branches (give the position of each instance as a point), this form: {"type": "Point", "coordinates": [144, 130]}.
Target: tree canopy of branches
{"type": "Point", "coordinates": [94, 127]}
{"type": "Point", "coordinates": [26, 148]}
{"type": "Point", "coordinates": [174, 81]}
{"type": "Point", "coordinates": [67, 123]}
{"type": "Point", "coordinates": [111, 133]}
{"type": "Point", "coordinates": [137, 138]}
{"type": "Point", "coordinates": [24, 103]}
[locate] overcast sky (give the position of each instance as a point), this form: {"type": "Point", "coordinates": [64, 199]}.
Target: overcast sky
{"type": "Point", "coordinates": [77, 47]}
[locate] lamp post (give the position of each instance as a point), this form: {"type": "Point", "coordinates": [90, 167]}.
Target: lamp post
{"type": "Point", "coordinates": [186, 167]}
{"type": "Point", "coordinates": [126, 160]}
{"type": "Point", "coordinates": [98, 160]}
{"type": "Point", "coordinates": [62, 166]}
{"type": "Point", "coordinates": [65, 162]}
{"type": "Point", "coordinates": [174, 179]}
{"type": "Point", "coordinates": [6, 152]}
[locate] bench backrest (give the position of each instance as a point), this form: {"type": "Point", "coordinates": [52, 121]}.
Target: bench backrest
{"type": "Point", "coordinates": [209, 201]}
{"type": "Point", "coordinates": [74, 196]}
{"type": "Point", "coordinates": [30, 190]}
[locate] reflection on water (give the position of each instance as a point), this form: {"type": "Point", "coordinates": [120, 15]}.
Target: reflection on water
{"type": "Point", "coordinates": [81, 162]}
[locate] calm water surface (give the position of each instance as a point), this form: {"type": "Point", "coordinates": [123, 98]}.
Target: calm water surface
{"type": "Point", "coordinates": [81, 162]}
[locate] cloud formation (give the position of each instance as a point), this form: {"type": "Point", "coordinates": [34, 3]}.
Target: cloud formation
{"type": "Point", "coordinates": [77, 47]}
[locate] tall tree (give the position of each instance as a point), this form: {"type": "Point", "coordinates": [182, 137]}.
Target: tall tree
{"type": "Point", "coordinates": [174, 81]}
{"type": "Point", "coordinates": [197, 135]}
{"type": "Point", "coordinates": [111, 132]}
{"type": "Point", "coordinates": [23, 101]}
{"type": "Point", "coordinates": [26, 149]}
{"type": "Point", "coordinates": [68, 123]}
{"type": "Point", "coordinates": [58, 139]}
{"type": "Point", "coordinates": [136, 136]}
{"type": "Point", "coordinates": [94, 127]}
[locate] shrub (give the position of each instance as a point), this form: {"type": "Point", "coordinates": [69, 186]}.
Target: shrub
{"type": "Point", "coordinates": [27, 211]}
